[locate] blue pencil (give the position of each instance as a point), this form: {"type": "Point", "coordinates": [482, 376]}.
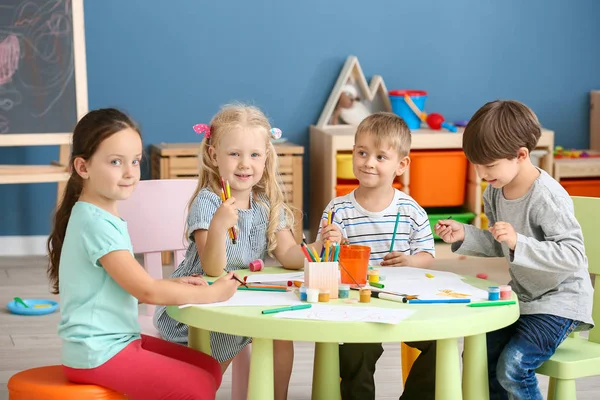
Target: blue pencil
{"type": "Point", "coordinates": [439, 301]}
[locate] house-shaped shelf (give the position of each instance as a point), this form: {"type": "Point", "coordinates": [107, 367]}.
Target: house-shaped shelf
{"type": "Point", "coordinates": [352, 99]}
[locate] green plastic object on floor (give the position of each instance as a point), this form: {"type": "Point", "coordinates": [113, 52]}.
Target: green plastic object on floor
{"type": "Point", "coordinates": [578, 357]}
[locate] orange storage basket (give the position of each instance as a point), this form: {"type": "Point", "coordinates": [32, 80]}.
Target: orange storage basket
{"type": "Point", "coordinates": [438, 178]}
{"type": "Point", "coordinates": [582, 187]}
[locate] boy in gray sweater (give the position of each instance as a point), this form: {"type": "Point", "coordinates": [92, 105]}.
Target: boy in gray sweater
{"type": "Point", "coordinates": [532, 225]}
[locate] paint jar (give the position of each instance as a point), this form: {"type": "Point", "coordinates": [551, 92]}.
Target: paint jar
{"type": "Point", "coordinates": [256, 265]}
{"type": "Point", "coordinates": [365, 296]}
{"type": "Point", "coordinates": [343, 290]}
{"type": "Point", "coordinates": [493, 293]}
{"type": "Point", "coordinates": [302, 291]}
{"type": "Point", "coordinates": [312, 295]}
{"type": "Point", "coordinates": [505, 292]}
{"type": "Point", "coordinates": [324, 296]}
{"type": "Point", "coordinates": [373, 275]}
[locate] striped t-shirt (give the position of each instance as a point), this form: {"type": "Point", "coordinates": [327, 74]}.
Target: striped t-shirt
{"type": "Point", "coordinates": [251, 245]}
{"type": "Point", "coordinates": [375, 229]}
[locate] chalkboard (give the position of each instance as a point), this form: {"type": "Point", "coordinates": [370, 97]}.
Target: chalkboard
{"type": "Point", "coordinates": [37, 66]}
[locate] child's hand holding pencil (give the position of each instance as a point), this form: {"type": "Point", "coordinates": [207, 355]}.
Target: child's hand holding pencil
{"type": "Point", "coordinates": [226, 215]}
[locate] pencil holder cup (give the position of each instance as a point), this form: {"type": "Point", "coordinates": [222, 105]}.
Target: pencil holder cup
{"type": "Point", "coordinates": [322, 276]}
{"type": "Point", "coordinates": [355, 260]}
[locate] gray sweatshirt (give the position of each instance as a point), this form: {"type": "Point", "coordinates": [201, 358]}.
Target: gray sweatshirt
{"type": "Point", "coordinates": [548, 267]}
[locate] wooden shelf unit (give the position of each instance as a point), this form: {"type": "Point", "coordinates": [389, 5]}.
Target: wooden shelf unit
{"type": "Point", "coordinates": [180, 160]}
{"type": "Point", "coordinates": [327, 141]}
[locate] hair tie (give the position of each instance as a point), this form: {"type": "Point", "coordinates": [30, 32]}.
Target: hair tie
{"type": "Point", "coordinates": [202, 129]}
{"type": "Point", "coordinates": [275, 133]}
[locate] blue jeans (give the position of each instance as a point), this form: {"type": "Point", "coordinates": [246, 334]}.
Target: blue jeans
{"type": "Point", "coordinates": [515, 352]}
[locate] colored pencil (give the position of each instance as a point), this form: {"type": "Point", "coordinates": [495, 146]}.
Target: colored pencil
{"type": "Point", "coordinates": [439, 301]}
{"type": "Point", "coordinates": [289, 308]}
{"type": "Point", "coordinates": [226, 194]}
{"type": "Point", "coordinates": [493, 303]}
{"type": "Point", "coordinates": [307, 252]}
{"type": "Point", "coordinates": [237, 279]}
{"type": "Point", "coordinates": [349, 274]}
{"type": "Point", "coordinates": [395, 229]}
{"type": "Point", "coordinates": [257, 289]}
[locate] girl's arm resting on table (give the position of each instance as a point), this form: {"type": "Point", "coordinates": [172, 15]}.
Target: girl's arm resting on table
{"type": "Point", "coordinates": [132, 277]}
{"type": "Point", "coordinates": [287, 252]}
{"type": "Point", "coordinates": [211, 249]}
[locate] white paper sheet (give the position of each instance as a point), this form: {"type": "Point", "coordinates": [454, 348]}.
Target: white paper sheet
{"type": "Point", "coordinates": [270, 278]}
{"type": "Point", "coordinates": [321, 312]}
{"type": "Point", "coordinates": [254, 298]}
{"type": "Point", "coordinates": [393, 273]}
{"type": "Point", "coordinates": [443, 285]}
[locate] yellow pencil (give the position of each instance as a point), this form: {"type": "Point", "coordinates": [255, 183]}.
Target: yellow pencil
{"type": "Point", "coordinates": [315, 254]}
{"type": "Point", "coordinates": [228, 190]}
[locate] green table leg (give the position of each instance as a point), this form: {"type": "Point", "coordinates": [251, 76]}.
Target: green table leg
{"type": "Point", "coordinates": [475, 372]}
{"type": "Point", "coordinates": [447, 371]}
{"type": "Point", "coordinates": [261, 385]}
{"type": "Point", "coordinates": [564, 389]}
{"type": "Point", "coordinates": [326, 372]}
{"type": "Point", "coordinates": [199, 339]}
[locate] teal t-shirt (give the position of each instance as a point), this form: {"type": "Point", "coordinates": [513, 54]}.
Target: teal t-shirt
{"type": "Point", "coordinates": [98, 317]}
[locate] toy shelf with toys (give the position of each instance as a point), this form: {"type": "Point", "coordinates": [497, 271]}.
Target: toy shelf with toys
{"type": "Point", "coordinates": [578, 171]}
{"type": "Point", "coordinates": [439, 178]}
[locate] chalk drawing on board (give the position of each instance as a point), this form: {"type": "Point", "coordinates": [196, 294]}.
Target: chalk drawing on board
{"type": "Point", "coordinates": [36, 66]}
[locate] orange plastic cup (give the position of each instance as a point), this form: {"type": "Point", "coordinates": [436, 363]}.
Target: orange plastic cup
{"type": "Point", "coordinates": [355, 260]}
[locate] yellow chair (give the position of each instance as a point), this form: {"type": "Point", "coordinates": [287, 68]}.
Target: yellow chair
{"type": "Point", "coordinates": [579, 357]}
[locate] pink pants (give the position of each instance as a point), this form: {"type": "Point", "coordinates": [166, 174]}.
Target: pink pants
{"type": "Point", "coordinates": [153, 368]}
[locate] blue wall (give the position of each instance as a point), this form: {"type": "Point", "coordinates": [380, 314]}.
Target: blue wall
{"type": "Point", "coordinates": [172, 64]}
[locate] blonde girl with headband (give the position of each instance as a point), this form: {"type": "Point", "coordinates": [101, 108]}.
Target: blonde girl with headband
{"type": "Point", "coordinates": [237, 147]}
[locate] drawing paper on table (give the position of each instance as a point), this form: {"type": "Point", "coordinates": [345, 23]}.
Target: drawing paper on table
{"type": "Point", "coordinates": [254, 298]}
{"type": "Point", "coordinates": [403, 273]}
{"type": "Point", "coordinates": [321, 312]}
{"type": "Point", "coordinates": [428, 289]}
{"type": "Point", "coordinates": [264, 278]}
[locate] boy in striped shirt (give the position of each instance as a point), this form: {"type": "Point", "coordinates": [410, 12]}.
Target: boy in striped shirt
{"type": "Point", "coordinates": [367, 217]}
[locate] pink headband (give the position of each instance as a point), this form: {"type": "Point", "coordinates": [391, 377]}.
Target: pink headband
{"type": "Point", "coordinates": [205, 129]}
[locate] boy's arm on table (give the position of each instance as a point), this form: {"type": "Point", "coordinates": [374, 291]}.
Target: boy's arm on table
{"type": "Point", "coordinates": [562, 249]}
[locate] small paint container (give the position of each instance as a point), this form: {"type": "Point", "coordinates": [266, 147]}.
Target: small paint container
{"type": "Point", "coordinates": [373, 275]}
{"type": "Point", "coordinates": [505, 292]}
{"type": "Point", "coordinates": [302, 292]}
{"type": "Point", "coordinates": [312, 295]}
{"type": "Point", "coordinates": [343, 290]}
{"type": "Point", "coordinates": [365, 296]}
{"type": "Point", "coordinates": [493, 293]}
{"type": "Point", "coordinates": [256, 265]}
{"type": "Point", "coordinates": [324, 295]}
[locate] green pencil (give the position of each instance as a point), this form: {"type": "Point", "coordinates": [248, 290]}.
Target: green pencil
{"type": "Point", "coordinates": [492, 303]}
{"type": "Point", "coordinates": [395, 228]}
{"type": "Point", "coordinates": [262, 289]}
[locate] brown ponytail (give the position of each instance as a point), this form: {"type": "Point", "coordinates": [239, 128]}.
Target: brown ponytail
{"type": "Point", "coordinates": [91, 130]}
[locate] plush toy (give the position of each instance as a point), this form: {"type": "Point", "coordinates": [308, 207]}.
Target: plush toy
{"type": "Point", "coordinates": [349, 108]}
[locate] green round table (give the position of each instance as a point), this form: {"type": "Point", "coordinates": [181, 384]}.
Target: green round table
{"type": "Point", "coordinates": [444, 323]}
